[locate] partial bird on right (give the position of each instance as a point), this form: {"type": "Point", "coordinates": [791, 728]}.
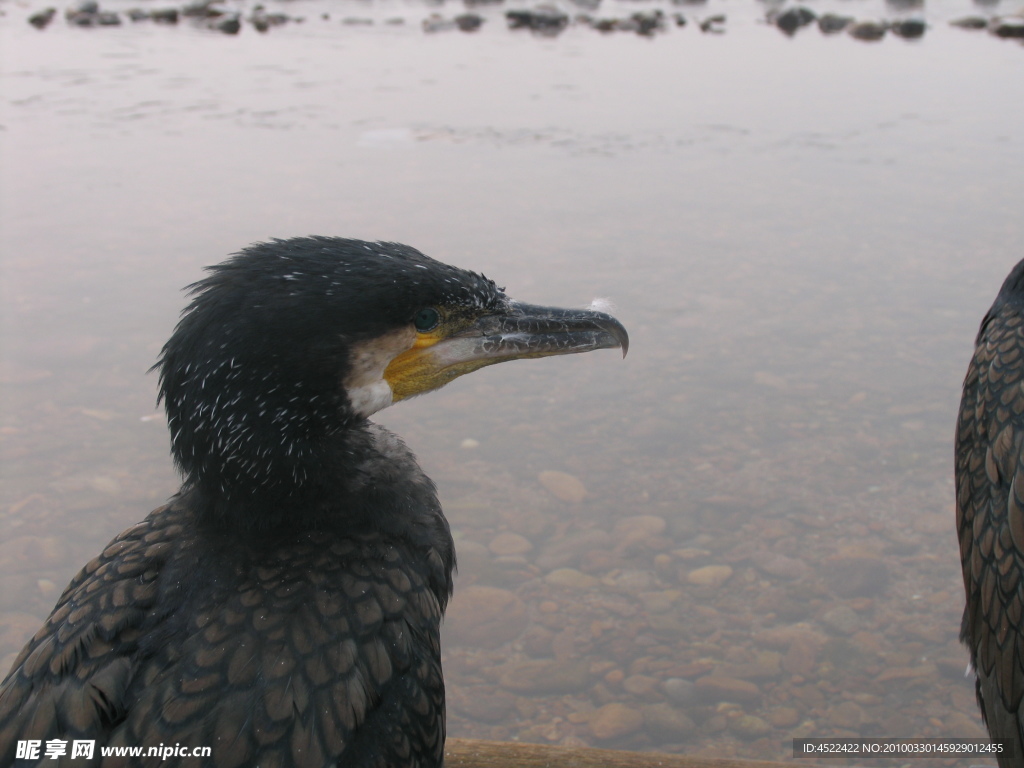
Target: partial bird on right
{"type": "Point", "coordinates": [990, 515]}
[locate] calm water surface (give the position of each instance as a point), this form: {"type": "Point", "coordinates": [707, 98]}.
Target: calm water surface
{"type": "Point", "coordinates": [800, 234]}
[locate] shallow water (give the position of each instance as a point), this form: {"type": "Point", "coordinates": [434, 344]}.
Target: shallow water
{"type": "Point", "coordinates": [801, 235]}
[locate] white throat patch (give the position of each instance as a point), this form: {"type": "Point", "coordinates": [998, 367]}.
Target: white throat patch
{"type": "Point", "coordinates": [368, 391]}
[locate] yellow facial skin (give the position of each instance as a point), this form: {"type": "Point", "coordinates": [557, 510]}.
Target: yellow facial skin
{"type": "Point", "coordinates": [432, 361]}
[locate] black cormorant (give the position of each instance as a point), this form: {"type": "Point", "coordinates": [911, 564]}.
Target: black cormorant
{"type": "Point", "coordinates": [990, 514]}
{"type": "Point", "coordinates": [284, 607]}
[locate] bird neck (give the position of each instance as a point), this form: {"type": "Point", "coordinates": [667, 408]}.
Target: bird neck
{"type": "Point", "coordinates": [363, 479]}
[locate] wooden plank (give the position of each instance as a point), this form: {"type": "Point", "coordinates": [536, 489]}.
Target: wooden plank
{"type": "Point", "coordinates": [475, 753]}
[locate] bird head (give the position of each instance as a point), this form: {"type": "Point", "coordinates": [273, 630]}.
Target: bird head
{"type": "Point", "coordinates": [290, 343]}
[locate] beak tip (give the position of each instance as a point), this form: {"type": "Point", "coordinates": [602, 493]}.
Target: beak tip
{"type": "Point", "coordinates": [611, 327]}
{"type": "Point", "coordinates": [618, 332]}
{"type": "Point", "coordinates": [623, 345]}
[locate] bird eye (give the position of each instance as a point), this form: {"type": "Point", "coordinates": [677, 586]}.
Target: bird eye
{"type": "Point", "coordinates": [426, 319]}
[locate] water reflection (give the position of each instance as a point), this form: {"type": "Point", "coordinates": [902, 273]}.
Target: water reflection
{"type": "Point", "coordinates": [801, 234]}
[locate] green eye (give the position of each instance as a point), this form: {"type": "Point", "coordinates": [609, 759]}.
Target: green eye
{"type": "Point", "coordinates": [426, 319]}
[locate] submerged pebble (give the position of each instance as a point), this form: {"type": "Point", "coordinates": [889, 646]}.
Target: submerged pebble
{"type": "Point", "coordinates": [570, 548]}
{"type": "Point", "coordinates": [857, 576]}
{"type": "Point", "coordinates": [485, 617]}
{"type": "Point", "coordinates": [545, 676]}
{"type": "Point", "coordinates": [842, 619]}
{"type": "Point", "coordinates": [570, 578]}
{"type": "Point", "coordinates": [563, 486]}
{"type": "Point", "coordinates": [722, 688]}
{"type": "Point", "coordinates": [509, 544]}
{"type": "Point", "coordinates": [667, 723]}
{"type": "Point", "coordinates": [481, 702]}
{"type": "Point", "coordinates": [749, 727]}
{"type": "Point", "coordinates": [638, 528]}
{"type": "Point", "coordinates": [680, 691]}
{"type": "Point", "coordinates": [710, 575]}
{"type": "Point", "coordinates": [30, 553]}
{"type": "Point", "coordinates": [616, 720]}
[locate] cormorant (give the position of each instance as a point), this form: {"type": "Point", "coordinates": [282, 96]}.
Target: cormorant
{"type": "Point", "coordinates": [990, 514]}
{"type": "Point", "coordinates": [284, 607]}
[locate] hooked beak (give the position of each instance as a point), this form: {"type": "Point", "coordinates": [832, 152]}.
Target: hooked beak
{"type": "Point", "coordinates": [521, 331]}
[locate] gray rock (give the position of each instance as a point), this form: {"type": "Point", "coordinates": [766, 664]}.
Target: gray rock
{"type": "Point", "coordinates": [714, 24]}
{"type": "Point", "coordinates": [857, 576]}
{"type": "Point", "coordinates": [229, 25]}
{"type": "Point", "coordinates": [42, 19]}
{"type": "Point", "coordinates": [545, 19]}
{"type": "Point", "coordinates": [909, 29]}
{"type": "Point", "coordinates": [1007, 27]}
{"type": "Point", "coordinates": [648, 22]}
{"type": "Point", "coordinates": [469, 22]}
{"type": "Point", "coordinates": [842, 620]}
{"type": "Point", "coordinates": [604, 25]}
{"type": "Point", "coordinates": [791, 19]}
{"type": "Point", "coordinates": [680, 691]}
{"type": "Point", "coordinates": [781, 566]}
{"type": "Point", "coordinates": [263, 20]}
{"type": "Point", "coordinates": [82, 18]}
{"type": "Point", "coordinates": [970, 22]}
{"type": "Point", "coordinates": [869, 30]}
{"type": "Point", "coordinates": [203, 9]}
{"type": "Point", "coordinates": [830, 23]}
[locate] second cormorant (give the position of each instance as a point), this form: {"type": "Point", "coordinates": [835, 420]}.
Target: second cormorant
{"type": "Point", "coordinates": [990, 515]}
